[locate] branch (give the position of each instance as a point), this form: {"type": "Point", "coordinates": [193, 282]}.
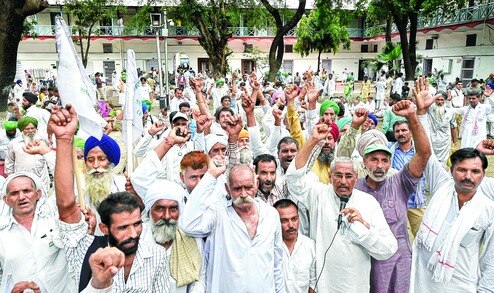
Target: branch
{"type": "Point", "coordinates": [31, 7]}
{"type": "Point", "coordinates": [274, 12]}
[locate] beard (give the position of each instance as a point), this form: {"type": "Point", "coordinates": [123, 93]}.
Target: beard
{"type": "Point", "coordinates": [245, 155]}
{"type": "Point", "coordinates": [98, 186]}
{"type": "Point", "coordinates": [127, 250]}
{"type": "Point", "coordinates": [28, 138]}
{"type": "Point", "coordinates": [374, 177]}
{"type": "Point", "coordinates": [439, 111]}
{"type": "Point", "coordinates": [163, 231]}
{"type": "Point", "coordinates": [264, 189]}
{"type": "Point", "coordinates": [10, 134]}
{"type": "Point", "coordinates": [326, 157]}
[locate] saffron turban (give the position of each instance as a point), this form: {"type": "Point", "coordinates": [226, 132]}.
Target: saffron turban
{"type": "Point", "coordinates": [10, 125]}
{"type": "Point", "coordinates": [107, 144]}
{"type": "Point", "coordinates": [329, 104]}
{"type": "Point", "coordinates": [243, 134]}
{"type": "Point", "coordinates": [25, 121]}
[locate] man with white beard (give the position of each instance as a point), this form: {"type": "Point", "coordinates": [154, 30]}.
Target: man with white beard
{"type": "Point", "coordinates": [441, 121]}
{"type": "Point", "coordinates": [20, 157]}
{"type": "Point", "coordinates": [101, 156]}
{"type": "Point", "coordinates": [164, 202]}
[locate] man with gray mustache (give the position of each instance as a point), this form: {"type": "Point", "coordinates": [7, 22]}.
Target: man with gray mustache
{"type": "Point", "coordinates": [164, 202]}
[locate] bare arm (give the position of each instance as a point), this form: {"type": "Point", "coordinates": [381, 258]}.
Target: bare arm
{"type": "Point", "coordinates": [63, 123]}
{"type": "Point", "coordinates": [319, 133]}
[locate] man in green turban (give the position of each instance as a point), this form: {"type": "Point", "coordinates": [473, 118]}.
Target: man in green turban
{"type": "Point", "coordinates": [329, 110]}
{"type": "Point", "coordinates": [6, 137]}
{"type": "Point", "coordinates": [29, 152]}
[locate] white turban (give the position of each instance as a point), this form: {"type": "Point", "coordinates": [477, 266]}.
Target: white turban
{"type": "Point", "coordinates": [212, 139]}
{"type": "Point", "coordinates": [164, 189]}
{"type": "Point", "coordinates": [368, 138]}
{"type": "Point", "coordinates": [4, 208]}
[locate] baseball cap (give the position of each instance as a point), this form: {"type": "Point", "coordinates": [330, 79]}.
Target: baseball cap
{"type": "Point", "coordinates": [377, 147]}
{"type": "Point", "coordinates": [179, 115]}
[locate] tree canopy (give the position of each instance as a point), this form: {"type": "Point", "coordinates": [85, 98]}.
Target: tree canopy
{"type": "Point", "coordinates": [323, 30]}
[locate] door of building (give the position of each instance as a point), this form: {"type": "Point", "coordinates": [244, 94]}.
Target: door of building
{"type": "Point", "coordinates": [109, 67]}
{"type": "Point", "coordinates": [467, 66]}
{"type": "Point", "coordinates": [248, 65]}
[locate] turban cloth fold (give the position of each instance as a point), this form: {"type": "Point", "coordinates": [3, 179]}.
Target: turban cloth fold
{"type": "Point", "coordinates": [373, 118]}
{"type": "Point", "coordinates": [329, 104]}
{"type": "Point", "coordinates": [107, 144]}
{"type": "Point", "coordinates": [335, 132]}
{"type": "Point", "coordinates": [370, 137]}
{"type": "Point", "coordinates": [32, 98]}
{"type": "Point", "coordinates": [10, 125]}
{"type": "Point", "coordinates": [243, 134]}
{"type": "Point", "coordinates": [25, 121]}
{"type": "Point", "coordinates": [212, 139]}
{"type": "Point", "coordinates": [164, 189]}
{"type": "Point", "coordinates": [344, 122]}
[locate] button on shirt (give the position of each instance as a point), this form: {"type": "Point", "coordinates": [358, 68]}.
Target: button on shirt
{"type": "Point", "coordinates": [299, 268]}
{"type": "Point", "coordinates": [149, 271]}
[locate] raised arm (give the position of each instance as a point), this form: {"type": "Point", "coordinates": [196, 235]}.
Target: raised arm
{"type": "Point", "coordinates": [347, 141]}
{"type": "Point", "coordinates": [63, 123]}
{"type": "Point", "coordinates": [319, 133]}
{"type": "Point", "coordinates": [421, 141]}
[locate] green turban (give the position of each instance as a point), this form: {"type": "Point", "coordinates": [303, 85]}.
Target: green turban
{"type": "Point", "coordinates": [9, 125]}
{"type": "Point", "coordinates": [329, 104]}
{"type": "Point", "coordinates": [25, 121]}
{"type": "Point", "coordinates": [79, 143]}
{"type": "Point", "coordinates": [344, 122]}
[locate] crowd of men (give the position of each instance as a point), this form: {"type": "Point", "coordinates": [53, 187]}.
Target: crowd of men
{"type": "Point", "coordinates": [247, 186]}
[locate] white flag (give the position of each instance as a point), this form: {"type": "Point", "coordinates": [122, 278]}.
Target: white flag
{"type": "Point", "coordinates": [74, 85]}
{"type": "Point", "coordinates": [133, 100]}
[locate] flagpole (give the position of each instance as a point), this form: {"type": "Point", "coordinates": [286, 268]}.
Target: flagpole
{"type": "Point", "coordinates": [78, 179]}
{"type": "Point", "coordinates": [130, 158]}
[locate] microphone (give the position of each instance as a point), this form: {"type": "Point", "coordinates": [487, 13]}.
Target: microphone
{"type": "Point", "coordinates": [343, 201]}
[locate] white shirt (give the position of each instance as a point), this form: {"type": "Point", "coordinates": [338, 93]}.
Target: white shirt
{"type": "Point", "coordinates": [397, 86]}
{"type": "Point", "coordinates": [145, 91]}
{"type": "Point", "coordinates": [473, 271]}
{"type": "Point", "coordinates": [330, 87]}
{"type": "Point", "coordinates": [348, 261]}
{"type": "Point", "coordinates": [299, 268]}
{"type": "Point", "coordinates": [457, 98]}
{"type": "Point", "coordinates": [4, 142]}
{"type": "Point", "coordinates": [235, 262]}
{"type": "Point", "coordinates": [36, 255]}
{"type": "Point", "coordinates": [147, 274]}
{"type": "Point", "coordinates": [196, 287]}
{"type": "Point", "coordinates": [217, 93]}
{"type": "Point", "coordinates": [474, 123]}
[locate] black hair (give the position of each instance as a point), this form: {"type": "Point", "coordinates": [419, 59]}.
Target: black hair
{"type": "Point", "coordinates": [224, 98]}
{"type": "Point", "coordinates": [116, 203]}
{"type": "Point", "coordinates": [284, 203]}
{"type": "Point", "coordinates": [184, 104]}
{"type": "Point", "coordinates": [222, 109]}
{"type": "Point", "coordinates": [399, 122]}
{"type": "Point", "coordinates": [264, 158]}
{"type": "Point", "coordinates": [287, 140]}
{"type": "Point", "coordinates": [468, 153]}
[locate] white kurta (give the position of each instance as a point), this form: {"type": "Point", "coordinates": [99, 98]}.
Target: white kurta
{"type": "Point", "coordinates": [235, 262]}
{"type": "Point", "coordinates": [440, 130]}
{"type": "Point", "coordinates": [196, 287]}
{"type": "Point", "coordinates": [473, 271]}
{"type": "Point", "coordinates": [299, 268]}
{"type": "Point", "coordinates": [474, 124]}
{"type": "Point", "coordinates": [35, 255]}
{"type": "Point", "coordinates": [346, 265]}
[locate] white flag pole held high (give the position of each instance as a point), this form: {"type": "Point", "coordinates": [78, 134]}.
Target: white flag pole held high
{"type": "Point", "coordinates": [133, 127]}
{"type": "Point", "coordinates": [74, 85]}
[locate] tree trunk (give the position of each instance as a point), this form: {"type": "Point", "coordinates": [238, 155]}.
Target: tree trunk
{"type": "Point", "coordinates": [410, 71]}
{"type": "Point", "coordinates": [319, 59]}
{"type": "Point", "coordinates": [276, 52]}
{"type": "Point", "coordinates": [12, 16]}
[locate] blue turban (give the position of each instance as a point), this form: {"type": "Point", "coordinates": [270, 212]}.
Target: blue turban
{"type": "Point", "coordinates": [107, 144]}
{"type": "Point", "coordinates": [373, 118]}
{"type": "Point", "coordinates": [144, 107]}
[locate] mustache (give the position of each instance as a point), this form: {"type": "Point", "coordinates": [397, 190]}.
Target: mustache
{"type": "Point", "coordinates": [467, 181]}
{"type": "Point", "coordinates": [239, 200]}
{"type": "Point", "coordinates": [129, 240]}
{"type": "Point", "coordinates": [162, 222]}
{"type": "Point", "coordinates": [97, 170]}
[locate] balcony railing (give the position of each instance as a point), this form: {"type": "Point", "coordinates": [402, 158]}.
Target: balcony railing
{"type": "Point", "coordinates": [465, 15]}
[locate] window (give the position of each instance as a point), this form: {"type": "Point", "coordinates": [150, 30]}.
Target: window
{"type": "Point", "coordinates": [471, 40]}
{"type": "Point", "coordinates": [364, 48]}
{"type": "Point", "coordinates": [429, 44]}
{"type": "Point", "coordinates": [107, 48]}
{"type": "Point", "coordinates": [375, 48]}
{"type": "Point", "coordinates": [248, 48]}
{"type": "Point", "coordinates": [288, 48]}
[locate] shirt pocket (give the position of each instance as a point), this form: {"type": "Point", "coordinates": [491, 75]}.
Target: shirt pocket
{"type": "Point", "coordinates": [473, 236]}
{"type": "Point", "coordinates": [389, 211]}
